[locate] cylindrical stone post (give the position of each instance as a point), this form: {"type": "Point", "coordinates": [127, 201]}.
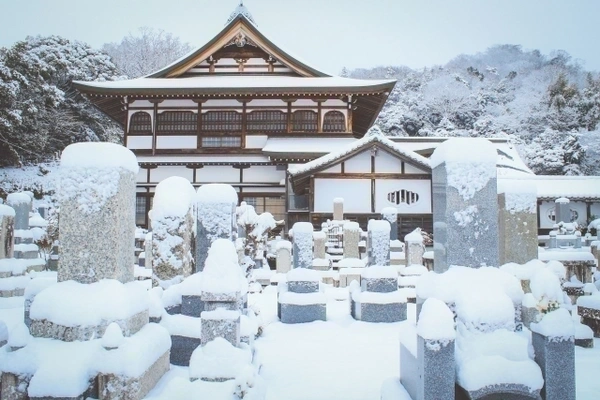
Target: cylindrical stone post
{"type": "Point", "coordinates": [284, 256]}
{"type": "Point", "coordinates": [172, 228]}
{"type": "Point", "coordinates": [338, 209]}
{"type": "Point", "coordinates": [552, 241]}
{"type": "Point", "coordinates": [320, 238]}
{"type": "Point", "coordinates": [216, 218]}
{"type": "Point", "coordinates": [562, 210]}
{"type": "Point", "coordinates": [21, 202]}
{"type": "Point", "coordinates": [414, 248]}
{"type": "Point", "coordinates": [97, 212]}
{"type": "Point", "coordinates": [7, 223]}
{"type": "Point", "coordinates": [351, 238]}
{"type": "Point", "coordinates": [390, 214]}
{"type": "Point", "coordinates": [465, 204]}
{"type": "Point", "coordinates": [517, 222]}
{"type": "Point", "coordinates": [303, 244]}
{"type": "Point", "coordinates": [378, 242]}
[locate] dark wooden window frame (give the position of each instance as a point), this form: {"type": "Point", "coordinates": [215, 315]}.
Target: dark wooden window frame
{"type": "Point", "coordinates": [140, 123]}
{"type": "Point", "coordinates": [266, 121]}
{"type": "Point", "coordinates": [221, 122]}
{"type": "Point", "coordinates": [177, 123]}
{"type": "Point", "coordinates": [334, 121]}
{"type": "Point", "coordinates": [305, 121]}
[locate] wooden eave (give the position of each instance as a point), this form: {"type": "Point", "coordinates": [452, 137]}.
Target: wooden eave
{"type": "Point", "coordinates": [301, 181]}
{"type": "Point", "coordinates": [226, 35]}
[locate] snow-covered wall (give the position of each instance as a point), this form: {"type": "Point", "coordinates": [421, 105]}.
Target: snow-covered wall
{"type": "Point", "coordinates": [356, 194]}
{"type": "Point", "coordinates": [420, 187]}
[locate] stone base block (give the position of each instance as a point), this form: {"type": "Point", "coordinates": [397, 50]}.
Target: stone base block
{"type": "Point", "coordinates": [14, 387]}
{"type": "Point", "coordinates": [114, 387]}
{"type": "Point", "coordinates": [23, 239]}
{"type": "Point", "coordinates": [174, 309]}
{"type": "Point", "coordinates": [303, 286]}
{"type": "Point", "coordinates": [27, 254]}
{"type": "Point", "coordinates": [585, 343]}
{"type": "Point", "coordinates": [182, 348]}
{"type": "Point", "coordinates": [50, 330]}
{"type": "Point", "coordinates": [556, 359]}
{"type": "Point", "coordinates": [529, 315]}
{"type": "Point", "coordinates": [348, 276]}
{"type": "Point", "coordinates": [192, 306]}
{"type": "Point", "coordinates": [301, 313]}
{"type": "Point", "coordinates": [12, 292]}
{"type": "Point", "coordinates": [213, 305]}
{"type": "Point", "coordinates": [221, 323]}
{"type": "Point", "coordinates": [379, 285]}
{"type": "Point", "coordinates": [373, 312]}
{"type": "Point", "coordinates": [509, 391]}
{"type": "Point", "coordinates": [591, 318]}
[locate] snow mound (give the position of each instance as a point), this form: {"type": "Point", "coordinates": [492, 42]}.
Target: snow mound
{"type": "Point", "coordinates": [436, 321]}
{"type": "Point", "coordinates": [98, 155]}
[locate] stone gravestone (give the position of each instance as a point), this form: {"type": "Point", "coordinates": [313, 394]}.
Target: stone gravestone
{"type": "Point", "coordinates": [338, 209]}
{"type": "Point", "coordinates": [517, 221]}
{"type": "Point", "coordinates": [390, 214]}
{"type": "Point", "coordinates": [465, 206]}
{"type": "Point", "coordinates": [414, 248]}
{"type": "Point", "coordinates": [148, 250]}
{"type": "Point", "coordinates": [562, 210]}
{"type": "Point", "coordinates": [7, 223]}
{"type": "Point", "coordinates": [216, 218]}
{"type": "Point", "coordinates": [303, 244]}
{"type": "Point", "coordinates": [21, 202]}
{"type": "Point", "coordinates": [378, 245]}
{"type": "Point", "coordinates": [351, 238]}
{"type": "Point", "coordinates": [284, 256]}
{"type": "Point", "coordinates": [172, 227]}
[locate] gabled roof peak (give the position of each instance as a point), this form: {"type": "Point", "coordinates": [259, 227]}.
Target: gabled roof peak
{"type": "Point", "coordinates": [243, 11]}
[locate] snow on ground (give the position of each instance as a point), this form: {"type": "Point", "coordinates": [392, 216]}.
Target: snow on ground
{"type": "Point", "coordinates": [338, 359]}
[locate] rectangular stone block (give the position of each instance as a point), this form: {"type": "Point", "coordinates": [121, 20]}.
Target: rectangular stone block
{"type": "Point", "coordinates": [182, 348]}
{"type": "Point", "coordinates": [303, 286]}
{"type": "Point", "coordinates": [297, 314]}
{"type": "Point", "coordinates": [221, 323]}
{"type": "Point", "coordinates": [436, 369]}
{"type": "Point", "coordinates": [6, 232]}
{"type": "Point", "coordinates": [391, 312]}
{"type": "Point", "coordinates": [556, 359]}
{"type": "Point", "coordinates": [225, 305]}
{"type": "Point", "coordinates": [409, 372]}
{"type": "Point", "coordinates": [380, 285]}
{"type": "Point", "coordinates": [517, 224]}
{"type": "Point", "coordinates": [192, 306]}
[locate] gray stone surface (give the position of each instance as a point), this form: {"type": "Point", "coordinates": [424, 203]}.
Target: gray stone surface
{"type": "Point", "coordinates": [436, 368]}
{"type": "Point", "coordinates": [303, 286]}
{"type": "Point", "coordinates": [148, 250]}
{"type": "Point", "coordinates": [380, 285]}
{"type": "Point", "coordinates": [7, 240]}
{"type": "Point", "coordinates": [303, 249]}
{"type": "Point", "coordinates": [414, 253]}
{"type": "Point", "coordinates": [529, 315]}
{"type": "Point", "coordinates": [510, 391]}
{"type": "Point", "coordinates": [465, 231]}
{"type": "Point", "coordinates": [284, 260]}
{"type": "Point", "coordinates": [351, 239]}
{"type": "Point", "coordinates": [392, 218]}
{"type": "Point", "coordinates": [117, 387]}
{"type": "Point", "coordinates": [226, 305]}
{"type": "Point", "coordinates": [517, 227]}
{"type": "Point", "coordinates": [556, 359]}
{"type": "Point", "coordinates": [90, 254]}
{"type": "Point", "coordinates": [14, 387]}
{"type": "Point", "coordinates": [48, 329]}
{"type": "Point", "coordinates": [319, 245]}
{"type": "Point", "coordinates": [22, 206]}
{"type": "Point", "coordinates": [182, 348]}
{"type": "Point", "coordinates": [378, 247]}
{"type": "Point", "coordinates": [298, 314]}
{"type": "Point", "coordinates": [369, 312]}
{"type": "Point", "coordinates": [228, 329]}
{"type": "Point", "coordinates": [192, 306]}
{"type": "Point", "coordinates": [562, 211]}
{"type": "Point", "coordinates": [338, 210]}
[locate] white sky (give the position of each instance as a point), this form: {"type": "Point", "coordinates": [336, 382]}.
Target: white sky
{"type": "Point", "coordinates": [330, 34]}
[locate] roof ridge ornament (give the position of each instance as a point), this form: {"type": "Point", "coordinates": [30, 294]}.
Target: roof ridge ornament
{"type": "Point", "coordinates": [243, 11]}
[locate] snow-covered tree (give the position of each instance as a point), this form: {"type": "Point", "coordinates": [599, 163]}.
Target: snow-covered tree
{"type": "Point", "coordinates": [146, 52]}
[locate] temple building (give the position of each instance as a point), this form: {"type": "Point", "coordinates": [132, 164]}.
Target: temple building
{"type": "Point", "coordinates": [289, 138]}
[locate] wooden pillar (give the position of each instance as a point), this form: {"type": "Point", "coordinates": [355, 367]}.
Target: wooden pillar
{"type": "Point", "coordinates": [155, 126]}
{"type": "Point", "coordinates": [319, 116]}
{"type": "Point", "coordinates": [289, 117]}
{"type": "Point", "coordinates": [244, 124]}
{"type": "Point", "coordinates": [199, 127]}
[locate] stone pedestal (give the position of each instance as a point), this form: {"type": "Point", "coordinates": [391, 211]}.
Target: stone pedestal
{"type": "Point", "coordinates": [221, 323]}
{"type": "Point", "coordinates": [517, 222]}
{"type": "Point", "coordinates": [351, 238]}
{"type": "Point", "coordinates": [303, 245]}
{"type": "Point", "coordinates": [378, 298]}
{"type": "Point", "coordinates": [556, 359]}
{"type": "Point", "coordinates": [414, 248]}
{"type": "Point", "coordinates": [319, 238]}
{"type": "Point", "coordinates": [465, 207]}
{"type": "Point", "coordinates": [300, 299]}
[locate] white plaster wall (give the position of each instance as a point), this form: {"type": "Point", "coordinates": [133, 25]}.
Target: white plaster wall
{"type": "Point", "coordinates": [256, 142]}
{"type": "Point", "coordinates": [261, 189]}
{"type": "Point", "coordinates": [142, 175]}
{"type": "Point", "coordinates": [359, 163]}
{"type": "Point", "coordinates": [385, 162]}
{"type": "Point", "coordinates": [141, 103]}
{"type": "Point", "coordinates": [336, 168]}
{"type": "Point", "coordinates": [355, 192]}
{"type": "Point", "coordinates": [178, 103]}
{"type": "Point", "coordinates": [139, 142]}
{"type": "Point", "coordinates": [176, 142]}
{"type": "Point", "coordinates": [304, 102]}
{"type": "Point", "coordinates": [222, 102]}
{"type": "Point", "coordinates": [267, 102]}
{"type": "Point", "coordinates": [163, 172]}
{"type": "Point", "coordinates": [334, 102]}
{"type": "Point", "coordinates": [263, 174]}
{"type": "Point", "coordinates": [420, 186]}
{"type": "Point", "coordinates": [218, 174]}
{"type": "Point", "coordinates": [410, 169]}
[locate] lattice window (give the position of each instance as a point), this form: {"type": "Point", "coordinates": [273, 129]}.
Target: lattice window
{"type": "Point", "coordinates": [222, 121]}
{"type": "Point", "coordinates": [140, 123]}
{"type": "Point", "coordinates": [334, 121]}
{"type": "Point", "coordinates": [266, 121]}
{"type": "Point", "coordinates": [177, 122]}
{"type": "Point", "coordinates": [272, 204]}
{"type": "Point", "coordinates": [140, 209]}
{"type": "Point", "coordinates": [304, 121]}
{"type": "Point", "coordinates": [221, 141]}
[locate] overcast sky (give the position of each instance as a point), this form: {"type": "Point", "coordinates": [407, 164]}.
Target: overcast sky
{"type": "Point", "coordinates": [331, 34]}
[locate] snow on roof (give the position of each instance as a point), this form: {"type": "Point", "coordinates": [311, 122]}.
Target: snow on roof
{"type": "Point", "coordinates": [234, 158]}
{"type": "Point", "coordinates": [306, 145]}
{"type": "Point", "coordinates": [333, 156]}
{"type": "Point", "coordinates": [464, 150]}
{"type": "Point", "coordinates": [223, 83]}
{"type": "Point", "coordinates": [98, 155]}
{"type": "Point", "coordinates": [553, 187]}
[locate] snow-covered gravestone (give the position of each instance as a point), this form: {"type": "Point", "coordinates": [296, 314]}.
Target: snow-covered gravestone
{"type": "Point", "coordinates": [517, 219]}
{"type": "Point", "coordinates": [300, 299]}
{"type": "Point", "coordinates": [390, 214]}
{"type": "Point", "coordinates": [351, 239]}
{"type": "Point", "coordinates": [284, 256]}
{"type": "Point", "coordinates": [562, 210]}
{"type": "Point", "coordinates": [97, 213]}
{"type": "Point", "coordinates": [414, 248]}
{"type": "Point", "coordinates": [378, 245]}
{"type": "Point", "coordinates": [465, 206]}
{"type": "Point", "coordinates": [377, 299]}
{"type": "Point", "coordinates": [21, 202]}
{"type": "Point", "coordinates": [320, 260]}
{"type": "Point", "coordinates": [172, 229]}
{"type": "Point", "coordinates": [429, 374]}
{"type": "Point", "coordinates": [303, 244]}
{"type": "Point", "coordinates": [7, 220]}
{"type": "Point", "coordinates": [148, 250]}
{"type": "Point", "coordinates": [338, 209]}
{"type": "Point", "coordinates": [216, 218]}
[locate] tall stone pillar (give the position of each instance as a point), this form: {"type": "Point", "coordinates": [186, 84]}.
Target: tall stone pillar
{"type": "Point", "coordinates": [338, 209]}
{"type": "Point", "coordinates": [517, 222]}
{"type": "Point", "coordinates": [97, 213]}
{"type": "Point", "coordinates": [378, 245]}
{"type": "Point", "coordinates": [562, 210]}
{"type": "Point", "coordinates": [216, 218]}
{"type": "Point", "coordinates": [7, 223]}
{"type": "Point", "coordinates": [303, 245]}
{"type": "Point", "coordinates": [390, 214]}
{"type": "Point", "coordinates": [414, 248]}
{"type": "Point", "coordinates": [351, 238]}
{"type": "Point", "coordinates": [465, 206]}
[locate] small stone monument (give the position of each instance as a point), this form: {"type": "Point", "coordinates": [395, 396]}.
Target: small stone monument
{"type": "Point", "coordinates": [320, 260]}
{"type": "Point", "coordinates": [562, 210]}
{"type": "Point", "coordinates": [215, 208]}
{"type": "Point", "coordinates": [303, 244]}
{"type": "Point", "coordinates": [517, 219]}
{"type": "Point", "coordinates": [390, 214]}
{"type": "Point", "coordinates": [7, 223]}
{"type": "Point", "coordinates": [378, 244]}
{"type": "Point", "coordinates": [465, 206]}
{"type": "Point", "coordinates": [378, 299]}
{"type": "Point", "coordinates": [414, 248]}
{"type": "Point", "coordinates": [284, 256]}
{"type": "Point", "coordinates": [351, 238]}
{"type": "Point", "coordinates": [300, 299]}
{"type": "Point", "coordinates": [338, 209]}
{"type": "Point", "coordinates": [172, 227]}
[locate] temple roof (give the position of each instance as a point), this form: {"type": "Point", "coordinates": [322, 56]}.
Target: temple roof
{"type": "Point", "coordinates": [241, 10]}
